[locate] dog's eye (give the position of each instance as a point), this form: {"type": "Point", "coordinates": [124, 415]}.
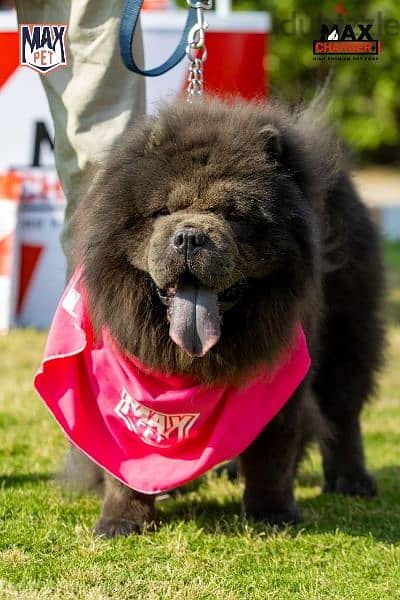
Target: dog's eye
{"type": "Point", "coordinates": [238, 225]}
{"type": "Point", "coordinates": [161, 212]}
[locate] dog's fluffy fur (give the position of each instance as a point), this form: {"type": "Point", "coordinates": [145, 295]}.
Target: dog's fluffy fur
{"type": "Point", "coordinates": [269, 191]}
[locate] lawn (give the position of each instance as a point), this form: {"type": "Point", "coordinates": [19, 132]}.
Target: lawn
{"type": "Point", "coordinates": [345, 548]}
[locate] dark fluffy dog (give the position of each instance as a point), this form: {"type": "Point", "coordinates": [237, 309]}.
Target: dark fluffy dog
{"type": "Point", "coordinates": [255, 204]}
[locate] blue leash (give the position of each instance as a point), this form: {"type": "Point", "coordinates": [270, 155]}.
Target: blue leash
{"type": "Point", "coordinates": [127, 28]}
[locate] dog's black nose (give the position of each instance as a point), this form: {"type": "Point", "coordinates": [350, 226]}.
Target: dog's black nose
{"type": "Point", "coordinates": [188, 240]}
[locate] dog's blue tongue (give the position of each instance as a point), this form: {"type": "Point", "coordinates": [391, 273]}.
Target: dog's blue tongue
{"type": "Point", "coordinates": [195, 321]}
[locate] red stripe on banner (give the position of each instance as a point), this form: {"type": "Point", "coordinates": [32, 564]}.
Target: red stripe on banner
{"type": "Point", "coordinates": [30, 255]}
{"type": "Point", "coordinates": [6, 244]}
{"type": "Point", "coordinates": [9, 54]}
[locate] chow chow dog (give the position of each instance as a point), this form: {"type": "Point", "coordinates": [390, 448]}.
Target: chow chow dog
{"type": "Point", "coordinates": [250, 209]}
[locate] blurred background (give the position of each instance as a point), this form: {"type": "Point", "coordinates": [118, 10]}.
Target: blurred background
{"type": "Point", "coordinates": [365, 96]}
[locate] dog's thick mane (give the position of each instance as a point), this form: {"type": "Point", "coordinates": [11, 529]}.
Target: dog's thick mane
{"type": "Point", "coordinates": [123, 297]}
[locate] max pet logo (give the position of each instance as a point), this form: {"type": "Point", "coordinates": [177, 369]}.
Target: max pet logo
{"type": "Point", "coordinates": [153, 427]}
{"type": "Point", "coordinates": [333, 41]}
{"type": "Point", "coordinates": [42, 47]}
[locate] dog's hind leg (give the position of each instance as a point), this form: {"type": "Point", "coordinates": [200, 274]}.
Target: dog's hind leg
{"type": "Point", "coordinates": [351, 340]}
{"type": "Point", "coordinates": [343, 383]}
{"type": "Point", "coordinates": [124, 510]}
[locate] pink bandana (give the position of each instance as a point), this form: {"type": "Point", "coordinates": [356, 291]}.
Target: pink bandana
{"type": "Point", "coordinates": [151, 431]}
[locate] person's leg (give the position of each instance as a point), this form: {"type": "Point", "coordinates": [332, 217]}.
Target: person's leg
{"type": "Point", "coordinates": [94, 98]}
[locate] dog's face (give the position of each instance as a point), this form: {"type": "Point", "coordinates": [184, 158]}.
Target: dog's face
{"type": "Point", "coordinates": [201, 239]}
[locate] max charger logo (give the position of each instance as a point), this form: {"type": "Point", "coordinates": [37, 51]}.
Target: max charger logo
{"type": "Point", "coordinates": [335, 42]}
{"type": "Point", "coordinates": [42, 47]}
{"type": "Point", "coordinates": [154, 427]}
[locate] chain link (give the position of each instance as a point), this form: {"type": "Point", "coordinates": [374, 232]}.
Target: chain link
{"type": "Point", "coordinates": [196, 50]}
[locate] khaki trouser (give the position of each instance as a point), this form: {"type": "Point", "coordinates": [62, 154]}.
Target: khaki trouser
{"type": "Point", "coordinates": [91, 100]}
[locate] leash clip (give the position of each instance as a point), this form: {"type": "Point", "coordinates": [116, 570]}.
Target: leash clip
{"type": "Point", "coordinates": [196, 37]}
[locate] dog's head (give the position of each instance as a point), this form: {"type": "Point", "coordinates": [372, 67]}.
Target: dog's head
{"type": "Point", "coordinates": [198, 239]}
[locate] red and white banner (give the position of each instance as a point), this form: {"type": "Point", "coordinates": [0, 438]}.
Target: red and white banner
{"type": "Point", "coordinates": [24, 112]}
{"type": "Point", "coordinates": [32, 265]}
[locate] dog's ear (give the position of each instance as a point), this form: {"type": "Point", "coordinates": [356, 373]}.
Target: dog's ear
{"type": "Point", "coordinates": [271, 140]}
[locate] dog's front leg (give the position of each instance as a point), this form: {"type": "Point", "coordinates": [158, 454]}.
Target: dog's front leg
{"type": "Point", "coordinates": [269, 466]}
{"type": "Point", "coordinates": [124, 510]}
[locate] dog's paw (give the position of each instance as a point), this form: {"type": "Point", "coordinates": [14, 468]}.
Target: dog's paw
{"type": "Point", "coordinates": [278, 517]}
{"type": "Point", "coordinates": [363, 485]}
{"type": "Point", "coordinates": [111, 528]}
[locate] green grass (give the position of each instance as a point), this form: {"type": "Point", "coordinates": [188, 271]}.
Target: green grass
{"type": "Point", "coordinates": [345, 548]}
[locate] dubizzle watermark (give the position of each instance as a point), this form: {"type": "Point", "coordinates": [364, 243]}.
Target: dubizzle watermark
{"type": "Point", "coordinates": [42, 46]}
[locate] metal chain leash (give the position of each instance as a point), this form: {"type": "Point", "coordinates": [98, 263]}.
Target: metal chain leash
{"type": "Point", "coordinates": [196, 50]}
